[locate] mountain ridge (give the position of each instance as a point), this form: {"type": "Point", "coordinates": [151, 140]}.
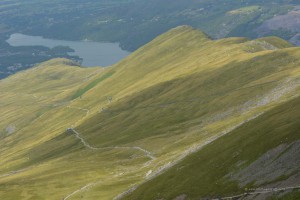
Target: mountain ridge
{"type": "Point", "coordinates": [179, 91]}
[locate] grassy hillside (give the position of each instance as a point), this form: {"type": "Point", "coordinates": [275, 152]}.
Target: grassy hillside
{"type": "Point", "coordinates": [215, 171]}
{"type": "Point", "coordinates": [27, 95]}
{"type": "Point", "coordinates": [134, 23]}
{"type": "Point", "coordinates": [78, 133]}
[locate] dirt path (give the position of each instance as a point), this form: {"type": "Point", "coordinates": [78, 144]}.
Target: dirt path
{"type": "Point", "coordinates": [78, 108]}
{"type": "Point", "coordinates": [186, 153]}
{"type": "Point", "coordinates": [263, 191]}
{"type": "Point", "coordinates": [86, 144]}
{"type": "Point", "coordinates": [14, 172]}
{"type": "Point", "coordinates": [86, 187]}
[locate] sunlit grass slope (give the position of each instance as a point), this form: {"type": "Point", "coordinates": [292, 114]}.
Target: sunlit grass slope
{"type": "Point", "coordinates": [163, 102]}
{"type": "Point", "coordinates": [39, 88]}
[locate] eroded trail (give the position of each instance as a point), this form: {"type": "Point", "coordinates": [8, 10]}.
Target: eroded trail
{"type": "Point", "coordinates": [285, 87]}
{"type": "Point", "coordinates": [263, 191]}
{"type": "Point", "coordinates": [86, 144]}
{"type": "Point", "coordinates": [14, 172]}
{"type": "Point", "coordinates": [86, 187]}
{"type": "Point", "coordinates": [79, 108]}
{"type": "Point", "coordinates": [186, 153]}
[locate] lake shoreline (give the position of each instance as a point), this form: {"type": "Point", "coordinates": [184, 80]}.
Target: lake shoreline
{"type": "Point", "coordinates": [92, 53]}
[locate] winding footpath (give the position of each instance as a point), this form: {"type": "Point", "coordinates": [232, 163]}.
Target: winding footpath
{"type": "Point", "coordinates": [86, 144]}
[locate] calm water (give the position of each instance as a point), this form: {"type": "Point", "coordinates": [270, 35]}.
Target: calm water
{"type": "Point", "coordinates": [92, 53]}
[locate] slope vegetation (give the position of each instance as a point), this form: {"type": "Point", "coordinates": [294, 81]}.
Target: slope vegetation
{"type": "Point", "coordinates": [258, 157]}
{"type": "Point", "coordinates": [73, 133]}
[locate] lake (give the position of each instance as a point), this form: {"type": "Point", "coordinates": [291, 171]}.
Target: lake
{"type": "Point", "coordinates": [92, 53]}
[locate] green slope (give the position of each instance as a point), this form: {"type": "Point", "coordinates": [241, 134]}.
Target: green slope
{"type": "Point", "coordinates": [208, 172]}
{"type": "Point", "coordinates": [163, 102]}
{"type": "Point", "coordinates": [134, 23]}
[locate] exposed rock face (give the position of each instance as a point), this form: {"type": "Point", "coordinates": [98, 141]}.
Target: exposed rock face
{"type": "Point", "coordinates": [278, 163]}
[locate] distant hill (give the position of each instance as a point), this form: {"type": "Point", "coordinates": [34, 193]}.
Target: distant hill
{"type": "Point", "coordinates": [183, 117]}
{"type": "Point", "coordinates": [134, 23]}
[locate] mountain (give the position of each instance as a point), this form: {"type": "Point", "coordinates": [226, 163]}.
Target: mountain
{"type": "Point", "coordinates": [134, 23]}
{"type": "Point", "coordinates": [183, 117]}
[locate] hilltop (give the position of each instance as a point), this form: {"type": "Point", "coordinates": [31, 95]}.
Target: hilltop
{"type": "Point", "coordinates": [132, 24]}
{"type": "Point", "coordinates": [183, 116]}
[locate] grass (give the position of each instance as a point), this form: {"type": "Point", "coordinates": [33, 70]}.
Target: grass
{"type": "Point", "coordinates": [80, 92]}
{"type": "Point", "coordinates": [177, 91]}
{"type": "Point", "coordinates": [244, 10]}
{"type": "Point", "coordinates": [204, 174]}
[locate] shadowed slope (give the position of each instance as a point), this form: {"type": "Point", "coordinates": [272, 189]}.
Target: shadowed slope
{"type": "Point", "coordinates": [136, 119]}
{"type": "Point", "coordinates": [221, 168]}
